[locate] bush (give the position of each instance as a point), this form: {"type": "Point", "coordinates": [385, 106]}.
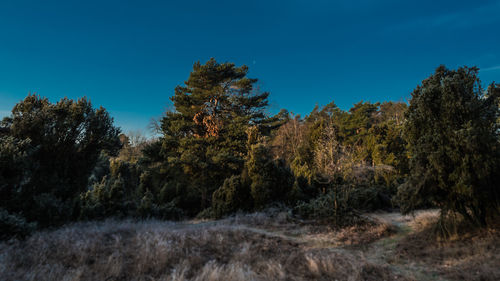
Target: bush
{"type": "Point", "coordinates": [108, 198]}
{"type": "Point", "coordinates": [148, 208]}
{"type": "Point", "coordinates": [331, 207]}
{"type": "Point", "coordinates": [369, 198]}
{"type": "Point", "coordinates": [270, 180]}
{"type": "Point", "coordinates": [14, 225]}
{"type": "Point", "coordinates": [452, 132]}
{"type": "Point", "coordinates": [341, 204]}
{"type": "Point", "coordinates": [48, 154]}
{"type": "Point", "coordinates": [234, 194]}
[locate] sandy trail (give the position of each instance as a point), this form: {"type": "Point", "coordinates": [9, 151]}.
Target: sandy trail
{"type": "Point", "coordinates": [382, 252]}
{"type": "Point", "coordinates": [379, 252]}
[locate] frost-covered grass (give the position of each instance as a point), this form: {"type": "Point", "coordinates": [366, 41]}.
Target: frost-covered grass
{"type": "Point", "coordinates": [270, 245]}
{"type": "Point", "coordinates": [246, 247]}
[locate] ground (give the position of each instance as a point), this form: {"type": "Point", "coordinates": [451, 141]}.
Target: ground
{"type": "Point", "coordinates": [261, 246]}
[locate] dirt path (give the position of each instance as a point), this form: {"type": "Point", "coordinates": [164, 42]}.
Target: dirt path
{"type": "Point", "coordinates": [379, 252]}
{"type": "Point", "coordinates": [382, 252]}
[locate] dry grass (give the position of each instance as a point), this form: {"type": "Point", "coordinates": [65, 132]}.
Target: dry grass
{"type": "Point", "coordinates": [259, 246]}
{"type": "Point", "coordinates": [252, 247]}
{"type": "Point", "coordinates": [467, 256]}
{"type": "Point", "coordinates": [311, 232]}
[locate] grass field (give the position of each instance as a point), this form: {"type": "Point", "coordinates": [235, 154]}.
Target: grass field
{"type": "Point", "coordinates": [259, 246]}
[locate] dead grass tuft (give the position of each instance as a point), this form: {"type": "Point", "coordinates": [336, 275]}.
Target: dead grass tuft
{"type": "Point", "coordinates": [466, 256]}
{"type": "Point", "coordinates": [271, 245]}
{"type": "Point", "coordinates": [155, 250]}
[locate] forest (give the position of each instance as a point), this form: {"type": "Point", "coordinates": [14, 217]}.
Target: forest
{"type": "Point", "coordinates": [218, 153]}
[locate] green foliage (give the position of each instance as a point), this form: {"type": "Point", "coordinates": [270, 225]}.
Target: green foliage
{"type": "Point", "coordinates": [363, 146]}
{"type": "Point", "coordinates": [291, 143]}
{"type": "Point", "coordinates": [369, 197]}
{"type": "Point", "coordinates": [15, 170]}
{"type": "Point", "coordinates": [107, 198]}
{"type": "Point", "coordinates": [331, 207]}
{"type": "Point", "coordinates": [356, 124]}
{"type": "Point", "coordinates": [48, 154]}
{"type": "Point", "coordinates": [342, 203]}
{"type": "Point", "coordinates": [270, 179]}
{"type": "Point", "coordinates": [206, 138]}
{"type": "Point", "coordinates": [126, 192]}
{"type": "Point", "coordinates": [149, 208]}
{"type": "Point", "coordinates": [262, 182]}
{"type": "Point", "coordinates": [219, 153]}
{"type": "Point", "coordinates": [233, 195]}
{"type": "Point", "coordinates": [452, 134]}
{"type": "Point", "coordinates": [12, 225]}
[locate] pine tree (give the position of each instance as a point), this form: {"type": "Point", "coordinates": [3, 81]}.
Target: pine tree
{"type": "Point", "coordinates": [204, 139]}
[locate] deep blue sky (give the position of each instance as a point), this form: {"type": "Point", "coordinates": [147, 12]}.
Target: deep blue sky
{"type": "Point", "coordinates": [128, 56]}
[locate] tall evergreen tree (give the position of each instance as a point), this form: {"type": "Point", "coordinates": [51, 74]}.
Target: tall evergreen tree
{"type": "Point", "coordinates": [453, 142]}
{"type": "Point", "coordinates": [205, 138]}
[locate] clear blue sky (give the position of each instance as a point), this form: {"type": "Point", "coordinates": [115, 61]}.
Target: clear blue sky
{"type": "Point", "coordinates": [128, 56]}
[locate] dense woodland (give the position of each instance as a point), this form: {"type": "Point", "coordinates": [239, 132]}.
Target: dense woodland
{"type": "Point", "coordinates": [218, 152]}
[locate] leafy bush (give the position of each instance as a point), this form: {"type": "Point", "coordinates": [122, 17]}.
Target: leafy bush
{"type": "Point", "coordinates": [369, 198]}
{"type": "Point", "coordinates": [270, 180]}
{"type": "Point", "coordinates": [14, 225]}
{"type": "Point", "coordinates": [115, 195]}
{"type": "Point", "coordinates": [453, 134]}
{"type": "Point", "coordinates": [234, 194]}
{"type": "Point", "coordinates": [149, 208]}
{"type": "Point", "coordinates": [106, 199]}
{"type": "Point", "coordinates": [331, 207]}
{"type": "Point", "coordinates": [57, 148]}
{"type": "Point", "coordinates": [342, 203]}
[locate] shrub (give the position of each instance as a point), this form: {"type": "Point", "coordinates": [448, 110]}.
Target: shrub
{"type": "Point", "coordinates": [234, 194]}
{"type": "Point", "coordinates": [149, 208]}
{"type": "Point", "coordinates": [110, 197]}
{"type": "Point", "coordinates": [12, 225]}
{"type": "Point", "coordinates": [342, 203]}
{"type": "Point", "coordinates": [452, 132]}
{"type": "Point", "coordinates": [369, 198]}
{"type": "Point", "coordinates": [115, 195]}
{"type": "Point", "coordinates": [57, 147]}
{"type": "Point", "coordinates": [270, 180]}
{"type": "Point", "coordinates": [331, 207]}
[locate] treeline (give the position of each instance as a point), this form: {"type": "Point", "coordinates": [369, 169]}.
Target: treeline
{"type": "Point", "coordinates": [218, 152]}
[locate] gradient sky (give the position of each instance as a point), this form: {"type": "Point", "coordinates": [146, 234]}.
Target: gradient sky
{"type": "Point", "coordinates": [128, 56]}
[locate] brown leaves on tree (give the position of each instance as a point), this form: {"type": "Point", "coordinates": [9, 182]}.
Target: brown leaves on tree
{"type": "Point", "coordinates": [211, 125]}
